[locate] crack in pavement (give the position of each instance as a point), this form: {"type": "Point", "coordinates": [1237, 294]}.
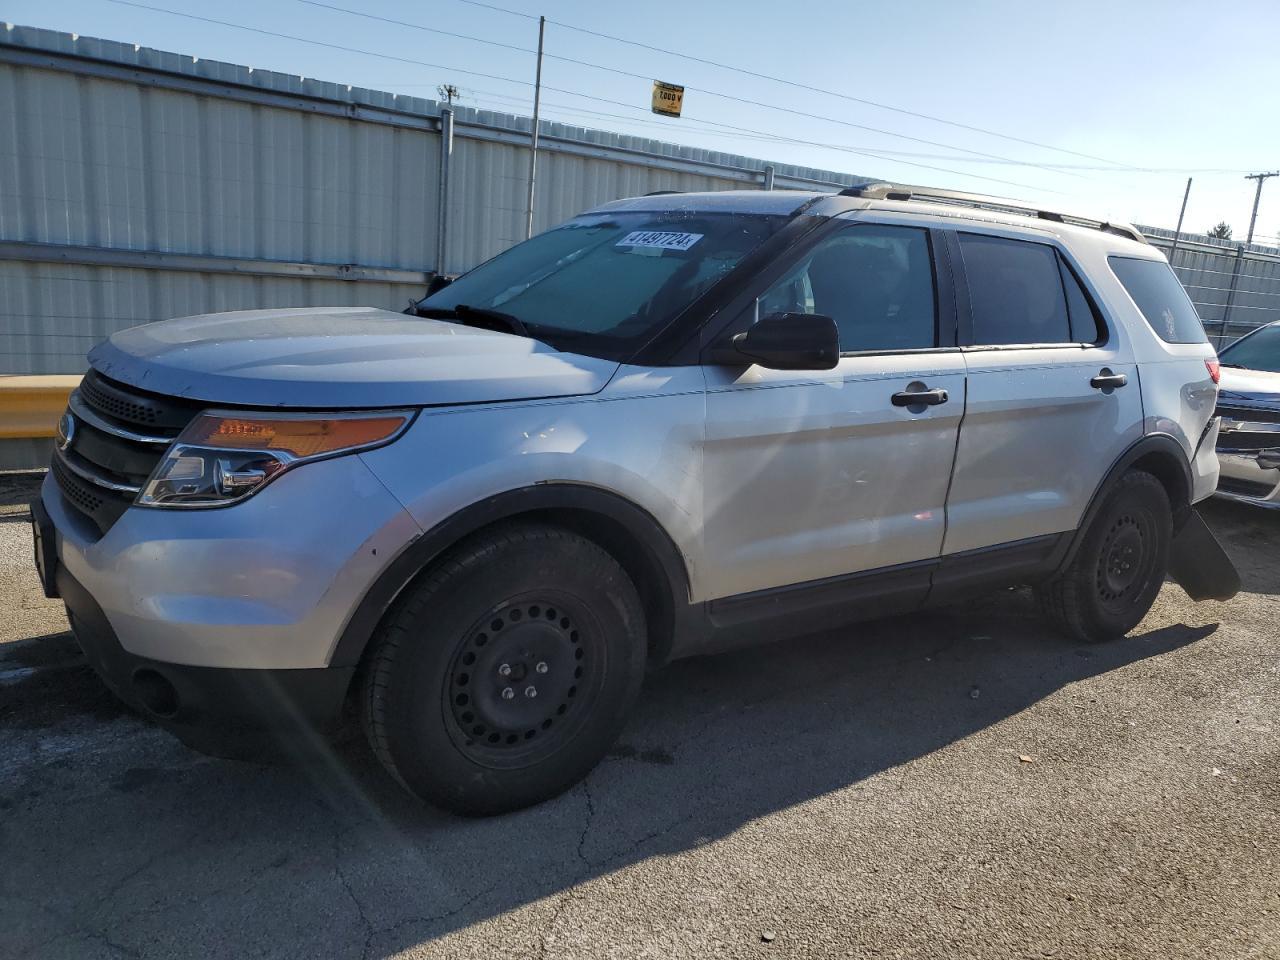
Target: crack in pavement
{"type": "Point", "coordinates": [436, 917]}
{"type": "Point", "coordinates": [591, 815]}
{"type": "Point", "coordinates": [338, 872]}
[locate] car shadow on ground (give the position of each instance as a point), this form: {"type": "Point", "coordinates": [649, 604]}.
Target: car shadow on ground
{"type": "Point", "coordinates": [331, 850]}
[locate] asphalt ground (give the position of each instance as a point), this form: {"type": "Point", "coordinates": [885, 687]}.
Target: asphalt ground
{"type": "Point", "coordinates": [962, 783]}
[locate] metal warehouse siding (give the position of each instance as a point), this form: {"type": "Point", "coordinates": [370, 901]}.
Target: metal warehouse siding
{"type": "Point", "coordinates": [52, 314]}
{"type": "Point", "coordinates": [122, 153]}
{"type": "Point", "coordinates": [106, 163]}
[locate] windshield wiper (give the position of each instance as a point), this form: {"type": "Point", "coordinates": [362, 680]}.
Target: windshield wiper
{"type": "Point", "coordinates": [479, 317]}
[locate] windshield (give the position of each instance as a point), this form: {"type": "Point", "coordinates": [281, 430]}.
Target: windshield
{"type": "Point", "coordinates": [604, 284]}
{"type": "Point", "coordinates": [1259, 351]}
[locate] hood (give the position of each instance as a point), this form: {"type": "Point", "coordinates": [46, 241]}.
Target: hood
{"type": "Point", "coordinates": [1251, 386]}
{"type": "Point", "coordinates": [341, 357]}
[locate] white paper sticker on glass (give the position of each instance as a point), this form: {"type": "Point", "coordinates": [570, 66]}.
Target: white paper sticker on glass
{"type": "Point", "coordinates": [659, 239]}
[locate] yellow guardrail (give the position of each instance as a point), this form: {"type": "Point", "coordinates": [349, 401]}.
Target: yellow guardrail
{"type": "Point", "coordinates": [31, 405]}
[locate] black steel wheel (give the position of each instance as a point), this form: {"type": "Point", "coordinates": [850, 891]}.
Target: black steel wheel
{"type": "Point", "coordinates": [502, 676]}
{"type": "Point", "coordinates": [1117, 571]}
{"type": "Point", "coordinates": [524, 678]}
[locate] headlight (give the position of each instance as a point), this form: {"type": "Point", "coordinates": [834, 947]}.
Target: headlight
{"type": "Point", "coordinates": [224, 457]}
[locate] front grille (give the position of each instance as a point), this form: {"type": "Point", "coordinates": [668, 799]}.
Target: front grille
{"type": "Point", "coordinates": [120, 434]}
{"type": "Point", "coordinates": [1268, 414]}
{"type": "Point", "coordinates": [135, 408]}
{"type": "Point", "coordinates": [76, 490]}
{"type": "Point", "coordinates": [1246, 488]}
{"type": "Point", "coordinates": [1248, 429]}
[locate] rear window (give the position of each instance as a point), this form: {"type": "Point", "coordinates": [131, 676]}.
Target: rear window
{"type": "Point", "coordinates": [1015, 292]}
{"type": "Point", "coordinates": [1155, 289]}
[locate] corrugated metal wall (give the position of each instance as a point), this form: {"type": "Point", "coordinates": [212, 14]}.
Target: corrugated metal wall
{"type": "Point", "coordinates": [137, 185]}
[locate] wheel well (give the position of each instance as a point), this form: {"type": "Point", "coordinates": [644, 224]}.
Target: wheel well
{"type": "Point", "coordinates": [640, 562]}
{"type": "Point", "coordinates": [1172, 476]}
{"type": "Point", "coordinates": [649, 558]}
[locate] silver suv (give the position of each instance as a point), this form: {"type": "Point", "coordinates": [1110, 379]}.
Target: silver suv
{"type": "Point", "coordinates": [670, 422]}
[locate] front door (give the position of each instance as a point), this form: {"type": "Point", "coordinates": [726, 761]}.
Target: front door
{"type": "Point", "coordinates": [817, 474]}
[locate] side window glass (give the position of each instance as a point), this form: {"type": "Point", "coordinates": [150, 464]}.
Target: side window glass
{"type": "Point", "coordinates": [1085, 326]}
{"type": "Point", "coordinates": [1015, 291]}
{"type": "Point", "coordinates": [1161, 299]}
{"type": "Point", "coordinates": [875, 281]}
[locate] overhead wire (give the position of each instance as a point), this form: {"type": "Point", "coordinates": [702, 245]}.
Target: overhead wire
{"type": "Point", "coordinates": [761, 104]}
{"type": "Point", "coordinates": [490, 76]}
{"type": "Point", "coordinates": [797, 84]}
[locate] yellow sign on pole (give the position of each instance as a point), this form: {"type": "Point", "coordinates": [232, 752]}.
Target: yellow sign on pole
{"type": "Point", "coordinates": [667, 98]}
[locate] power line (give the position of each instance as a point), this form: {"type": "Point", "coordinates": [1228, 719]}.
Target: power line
{"type": "Point", "coordinates": [800, 86]}
{"type": "Point", "coordinates": [782, 138]}
{"type": "Point", "coordinates": [816, 143]}
{"type": "Point", "coordinates": [713, 93]}
{"type": "Point", "coordinates": [574, 93]}
{"type": "Point", "coordinates": [321, 43]}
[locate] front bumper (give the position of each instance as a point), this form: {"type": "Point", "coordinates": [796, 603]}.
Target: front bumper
{"type": "Point", "coordinates": [215, 710]}
{"type": "Point", "coordinates": [266, 584]}
{"type": "Point", "coordinates": [1250, 476]}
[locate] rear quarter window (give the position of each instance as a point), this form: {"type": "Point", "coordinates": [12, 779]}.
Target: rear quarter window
{"type": "Point", "coordinates": [1160, 298]}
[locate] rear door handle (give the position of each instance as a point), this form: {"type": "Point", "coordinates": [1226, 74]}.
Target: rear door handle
{"type": "Point", "coordinates": [1106, 380]}
{"type": "Point", "coordinates": [924, 398]}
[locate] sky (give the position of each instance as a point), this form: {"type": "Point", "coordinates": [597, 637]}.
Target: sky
{"type": "Point", "coordinates": [1096, 107]}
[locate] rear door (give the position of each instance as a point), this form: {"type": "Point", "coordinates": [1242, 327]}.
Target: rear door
{"type": "Point", "coordinates": [818, 474]}
{"type": "Point", "coordinates": [1053, 400]}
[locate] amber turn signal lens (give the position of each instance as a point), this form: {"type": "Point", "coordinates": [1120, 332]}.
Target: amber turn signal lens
{"type": "Point", "coordinates": [297, 436]}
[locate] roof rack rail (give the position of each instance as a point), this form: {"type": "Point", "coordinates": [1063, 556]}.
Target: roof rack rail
{"type": "Point", "coordinates": [879, 190]}
{"type": "Point", "coordinates": [662, 193]}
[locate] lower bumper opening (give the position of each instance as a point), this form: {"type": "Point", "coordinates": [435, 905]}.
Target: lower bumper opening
{"type": "Point", "coordinates": [157, 695]}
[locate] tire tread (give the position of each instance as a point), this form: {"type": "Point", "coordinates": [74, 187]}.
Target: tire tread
{"type": "Point", "coordinates": [1066, 599]}
{"type": "Point", "coordinates": [395, 636]}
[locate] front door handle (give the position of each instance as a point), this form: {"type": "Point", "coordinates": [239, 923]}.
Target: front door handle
{"type": "Point", "coordinates": [923, 398]}
{"type": "Point", "coordinates": [1106, 380]}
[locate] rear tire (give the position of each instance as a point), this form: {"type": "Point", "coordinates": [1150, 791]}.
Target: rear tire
{"type": "Point", "coordinates": [503, 676]}
{"type": "Point", "coordinates": [1115, 575]}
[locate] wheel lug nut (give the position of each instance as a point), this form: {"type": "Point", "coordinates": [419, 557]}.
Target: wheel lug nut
{"type": "Point", "coordinates": [504, 670]}
{"type": "Point", "coordinates": [531, 691]}
{"type": "Point", "coordinates": [541, 667]}
{"type": "Point", "coordinates": [507, 693]}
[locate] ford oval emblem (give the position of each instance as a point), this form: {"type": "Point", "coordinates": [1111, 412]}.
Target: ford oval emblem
{"type": "Point", "coordinates": [66, 432]}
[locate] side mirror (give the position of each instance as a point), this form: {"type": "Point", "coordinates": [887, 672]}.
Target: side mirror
{"type": "Point", "coordinates": [437, 283]}
{"type": "Point", "coordinates": [783, 341]}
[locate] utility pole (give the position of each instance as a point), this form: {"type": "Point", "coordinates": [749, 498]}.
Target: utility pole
{"type": "Point", "coordinates": [533, 134]}
{"type": "Point", "coordinates": [1177, 234]}
{"type": "Point", "coordinates": [1235, 270]}
{"type": "Point", "coordinates": [1257, 196]}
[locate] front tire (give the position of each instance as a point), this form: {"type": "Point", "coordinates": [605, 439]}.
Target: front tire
{"type": "Point", "coordinates": [1116, 574]}
{"type": "Point", "coordinates": [503, 676]}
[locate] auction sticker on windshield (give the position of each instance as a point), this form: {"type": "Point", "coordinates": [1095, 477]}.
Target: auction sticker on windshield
{"type": "Point", "coordinates": [660, 239]}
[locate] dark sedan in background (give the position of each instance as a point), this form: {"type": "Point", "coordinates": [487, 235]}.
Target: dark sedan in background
{"type": "Point", "coordinates": [1249, 404]}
